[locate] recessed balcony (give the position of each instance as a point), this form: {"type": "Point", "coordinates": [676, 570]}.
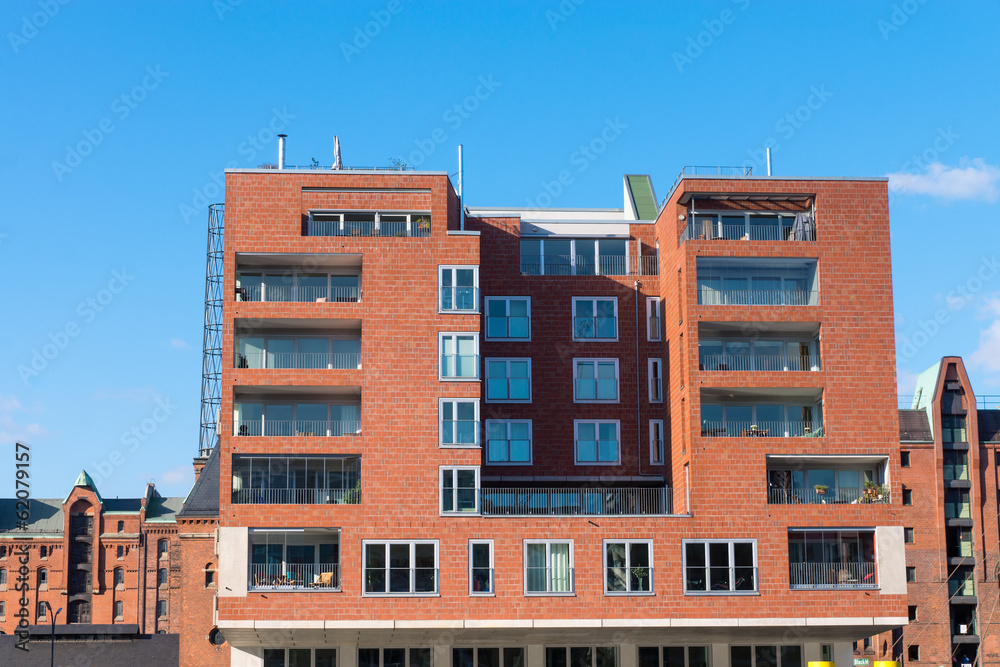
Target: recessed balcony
{"type": "Point", "coordinates": [756, 282]}
{"type": "Point", "coordinates": [294, 560]}
{"type": "Point", "coordinates": [296, 418]}
{"type": "Point", "coordinates": [298, 278]}
{"type": "Point", "coordinates": [297, 352]}
{"type": "Point", "coordinates": [832, 559]}
{"type": "Point", "coordinates": [826, 480]}
{"type": "Point", "coordinates": [289, 480]}
{"type": "Point", "coordinates": [761, 413]}
{"type": "Point", "coordinates": [587, 501]}
{"type": "Point", "coordinates": [399, 224]}
{"type": "Point", "coordinates": [758, 225]}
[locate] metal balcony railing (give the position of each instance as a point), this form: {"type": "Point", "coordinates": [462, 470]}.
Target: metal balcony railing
{"type": "Point", "coordinates": [759, 362]}
{"type": "Point", "coordinates": [414, 229]}
{"type": "Point", "coordinates": [575, 501]}
{"type": "Point", "coordinates": [548, 579]}
{"type": "Point", "coordinates": [713, 231]}
{"type": "Point", "coordinates": [587, 265]}
{"type": "Point", "coordinates": [400, 580]}
{"type": "Point", "coordinates": [762, 429]}
{"type": "Point", "coordinates": [858, 575]}
{"type": "Point", "coordinates": [461, 299]}
{"type": "Point", "coordinates": [628, 579]}
{"type": "Point", "coordinates": [851, 496]}
{"type": "Point", "coordinates": [294, 576]}
{"type": "Point", "coordinates": [300, 293]}
{"type": "Point", "coordinates": [299, 360]}
{"type": "Point", "coordinates": [757, 297]}
{"type": "Point", "coordinates": [251, 496]}
{"type": "Point", "coordinates": [700, 170]}
{"type": "Point", "coordinates": [300, 428]}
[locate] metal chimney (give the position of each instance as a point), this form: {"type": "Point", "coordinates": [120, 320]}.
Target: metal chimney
{"type": "Point", "coordinates": [337, 164]}
{"type": "Point", "coordinates": [461, 197]}
{"type": "Point", "coordinates": [281, 151]}
{"type": "Point", "coordinates": [768, 161]}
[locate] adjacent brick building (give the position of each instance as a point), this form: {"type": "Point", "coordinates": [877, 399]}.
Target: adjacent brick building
{"type": "Point", "coordinates": [662, 435]}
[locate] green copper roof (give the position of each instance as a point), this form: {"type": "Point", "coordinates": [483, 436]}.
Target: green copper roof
{"type": "Point", "coordinates": [642, 196]}
{"type": "Point", "coordinates": [924, 392]}
{"type": "Point", "coordinates": [85, 480]}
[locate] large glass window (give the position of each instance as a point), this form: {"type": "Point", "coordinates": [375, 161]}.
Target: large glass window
{"type": "Point", "coordinates": [306, 559]}
{"type": "Point", "coordinates": [595, 318]}
{"type": "Point", "coordinates": [401, 568]}
{"type": "Point", "coordinates": [737, 354]}
{"type": "Point", "coordinates": [832, 559]}
{"type": "Point", "coordinates": [825, 481]}
{"type": "Point", "coordinates": [369, 223]}
{"type": "Point", "coordinates": [508, 380]}
{"type": "Point", "coordinates": [720, 566]}
{"type": "Point", "coordinates": [394, 657]}
{"type": "Point", "coordinates": [460, 490]}
{"type": "Point", "coordinates": [305, 480]}
{"type": "Point", "coordinates": [595, 380]}
{"type": "Point", "coordinates": [953, 428]}
{"type": "Point", "coordinates": [459, 288]}
{"type": "Point", "coordinates": [485, 656]}
{"type": "Point", "coordinates": [342, 353]}
{"type": "Point", "coordinates": [459, 422]}
{"type": "Point", "coordinates": [508, 318]}
{"type": "Point", "coordinates": [300, 657]}
{"type": "Point", "coordinates": [459, 356]}
{"type": "Point", "coordinates": [575, 257]}
{"type": "Point", "coordinates": [765, 656]}
{"type": "Point", "coordinates": [761, 420]}
{"type": "Point", "coordinates": [295, 419]}
{"type": "Point", "coordinates": [597, 441]}
{"type": "Point", "coordinates": [756, 282]}
{"type": "Point", "coordinates": [673, 656]}
{"type": "Point", "coordinates": [580, 656]}
{"type": "Point", "coordinates": [508, 441]}
{"type": "Point", "coordinates": [628, 567]}
{"type": "Point", "coordinates": [291, 286]}
{"type": "Point", "coordinates": [548, 566]}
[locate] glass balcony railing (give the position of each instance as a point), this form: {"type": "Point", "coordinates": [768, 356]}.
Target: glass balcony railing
{"type": "Point", "coordinates": [858, 575]}
{"type": "Point", "coordinates": [588, 265]}
{"type": "Point", "coordinates": [575, 501]}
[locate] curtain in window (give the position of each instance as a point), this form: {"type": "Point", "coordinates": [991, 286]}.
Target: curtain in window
{"type": "Point", "coordinates": [559, 555]}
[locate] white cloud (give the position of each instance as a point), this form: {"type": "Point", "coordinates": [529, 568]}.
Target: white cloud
{"type": "Point", "coordinates": [973, 179]}
{"type": "Point", "coordinates": [179, 475]}
{"type": "Point", "coordinates": [986, 358]}
{"type": "Point", "coordinates": [179, 344]}
{"type": "Point", "coordinates": [10, 404]}
{"type": "Point", "coordinates": [990, 306]}
{"type": "Point", "coordinates": [12, 430]}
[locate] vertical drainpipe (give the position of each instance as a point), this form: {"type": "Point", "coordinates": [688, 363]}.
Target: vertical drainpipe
{"type": "Point", "coordinates": [638, 386]}
{"type": "Point", "coordinates": [141, 592]}
{"type": "Point", "coordinates": [461, 196]}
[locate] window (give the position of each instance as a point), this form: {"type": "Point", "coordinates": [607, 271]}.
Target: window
{"type": "Point", "coordinates": [481, 567]}
{"type": "Point", "coordinates": [913, 652]}
{"type": "Point", "coordinates": [911, 573]}
{"type": "Point", "coordinates": [161, 609]}
{"type": "Point", "coordinates": [336, 352]}
{"type": "Point", "coordinates": [459, 356]}
{"type": "Point", "coordinates": [3, 551]}
{"type": "Point", "coordinates": [486, 656]}
{"type": "Point", "coordinates": [3, 610]}
{"type": "Point", "coordinates": [296, 560]}
{"type": "Point", "coordinates": [305, 419]}
{"type": "Point", "coordinates": [287, 285]}
{"type": "Point", "coordinates": [628, 567]}
{"type": "Point", "coordinates": [121, 526]}
{"type": "Point", "coordinates": [120, 552]}
{"type": "Point", "coordinates": [907, 497]}
{"type": "Point", "coordinates": [302, 480]}
{"type": "Point", "coordinates": [595, 380]}
{"type": "Point", "coordinates": [43, 579]}
{"type": "Point", "coordinates": [673, 656]}
{"type": "Point", "coordinates": [548, 566]}
{"type": "Point", "coordinates": [42, 609]}
{"type": "Point", "coordinates": [301, 657]}
{"type": "Point", "coordinates": [161, 577]}
{"type": "Point", "coordinates": [908, 535]}
{"type": "Point", "coordinates": [653, 318]}
{"type": "Point", "coordinates": [401, 568]}
{"type": "Point", "coordinates": [460, 490]}
{"type": "Point", "coordinates": [508, 441]}
{"type": "Point", "coordinates": [210, 576]}
{"type": "Point", "coordinates": [655, 380]}
{"type": "Point", "coordinates": [831, 558]}
{"type": "Point", "coordinates": [119, 610]}
{"type": "Point", "coordinates": [826, 652]}
{"type": "Point", "coordinates": [3, 580]}
{"type": "Point", "coordinates": [459, 422]}
{"type": "Point", "coordinates": [596, 441]}
{"type": "Point", "coordinates": [392, 657]}
{"type": "Point", "coordinates": [43, 552]}
{"type": "Point", "coordinates": [953, 428]}
{"type": "Point", "coordinates": [656, 442]}
{"type": "Point", "coordinates": [904, 459]}
{"type": "Point", "coordinates": [162, 548]}
{"type": "Point", "coordinates": [459, 289]}
{"type": "Point", "coordinates": [508, 380]}
{"type": "Point", "coordinates": [79, 612]}
{"type": "Point", "coordinates": [748, 353]}
{"type": "Point", "coordinates": [758, 225]}
{"type": "Point", "coordinates": [561, 256]}
{"type": "Point", "coordinates": [720, 566]}
{"type": "Point", "coordinates": [724, 281]}
{"type": "Point", "coordinates": [595, 318]}
{"type": "Point", "coordinates": [79, 582]}
{"type": "Point", "coordinates": [731, 420]}
{"type": "Point", "coordinates": [369, 223]}
{"type": "Point", "coordinates": [580, 656]}
{"type": "Point", "coordinates": [508, 318]}
{"type": "Point", "coordinates": [765, 656]}
{"type": "Point", "coordinates": [119, 579]}
{"type": "Point", "coordinates": [912, 612]}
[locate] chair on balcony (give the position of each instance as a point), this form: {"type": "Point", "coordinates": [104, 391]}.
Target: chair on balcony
{"type": "Point", "coordinates": [324, 580]}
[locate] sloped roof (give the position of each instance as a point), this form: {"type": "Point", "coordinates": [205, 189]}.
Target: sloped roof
{"type": "Point", "coordinates": [163, 510]}
{"type": "Point", "coordinates": [204, 497]}
{"type": "Point", "coordinates": [989, 425]}
{"type": "Point", "coordinates": [641, 193]}
{"type": "Point", "coordinates": [45, 517]}
{"type": "Point", "coordinates": [123, 505]}
{"type": "Point", "coordinates": [84, 479]}
{"type": "Point", "coordinates": [914, 426]}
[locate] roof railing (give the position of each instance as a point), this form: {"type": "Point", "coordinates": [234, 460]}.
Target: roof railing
{"type": "Point", "coordinates": [700, 170]}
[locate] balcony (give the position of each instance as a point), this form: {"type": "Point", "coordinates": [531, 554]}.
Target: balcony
{"type": "Point", "coordinates": [961, 588]}
{"type": "Point", "coordinates": [826, 480]}
{"type": "Point", "coordinates": [850, 575]}
{"type": "Point", "coordinates": [959, 542]}
{"type": "Point", "coordinates": [369, 224]}
{"type": "Point", "coordinates": [294, 560]}
{"type": "Point", "coordinates": [832, 559]}
{"type": "Point", "coordinates": [956, 466]}
{"type": "Point", "coordinates": [753, 360]}
{"type": "Point", "coordinates": [957, 504]}
{"type": "Point", "coordinates": [279, 480]}
{"type": "Point", "coordinates": [282, 286]}
{"type": "Point", "coordinates": [592, 501]}
{"type": "Point", "coordinates": [750, 226]}
{"type": "Point", "coordinates": [756, 282]}
{"type": "Point", "coordinates": [312, 420]}
{"type": "Point", "coordinates": [758, 413]}
{"type": "Point", "coordinates": [581, 265]}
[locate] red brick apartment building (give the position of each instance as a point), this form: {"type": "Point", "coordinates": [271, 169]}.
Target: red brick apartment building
{"type": "Point", "coordinates": [662, 435]}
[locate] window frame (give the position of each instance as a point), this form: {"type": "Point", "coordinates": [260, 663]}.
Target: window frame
{"type": "Point", "coordinates": [548, 566]}
{"type": "Point", "coordinates": [594, 300]}
{"type": "Point", "coordinates": [597, 423]}
{"type": "Point", "coordinates": [42, 579]}
{"type": "Point", "coordinates": [440, 355]}
{"type": "Point", "coordinates": [904, 459]}
{"type": "Point", "coordinates": [381, 653]}
{"type": "Point", "coordinates": [911, 574]}
{"type": "Point", "coordinates": [472, 577]}
{"type": "Point", "coordinates": [507, 377]}
{"type": "Point", "coordinates": [365, 544]}
{"type": "Point", "coordinates": [656, 451]}
{"type": "Point", "coordinates": [119, 585]}
{"type": "Point", "coordinates": [163, 549]}
{"type": "Point", "coordinates": [655, 390]}
{"type": "Point", "coordinates": [119, 610]}
{"type": "Point", "coordinates": [687, 652]}
{"type": "Point", "coordinates": [162, 604]}
{"type": "Point", "coordinates": [508, 462]}
{"type": "Point", "coordinates": [162, 578]}
{"type": "Point", "coordinates": [909, 535]}
{"type": "Point", "coordinates": [507, 299]}
{"type": "Point", "coordinates": [596, 361]}
{"type": "Point", "coordinates": [654, 309]}
{"type": "Point", "coordinates": [568, 652]}
{"type": "Point", "coordinates": [708, 565]}
{"type": "Point", "coordinates": [453, 470]}
{"type": "Point", "coordinates": [629, 568]}
{"type": "Point", "coordinates": [778, 662]}
{"type": "Point", "coordinates": [475, 287]}
{"type": "Point", "coordinates": [458, 445]}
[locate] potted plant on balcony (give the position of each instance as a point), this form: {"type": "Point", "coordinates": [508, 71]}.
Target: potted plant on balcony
{"type": "Point", "coordinates": [423, 224]}
{"type": "Point", "coordinates": [874, 491]}
{"type": "Point", "coordinates": [821, 489]}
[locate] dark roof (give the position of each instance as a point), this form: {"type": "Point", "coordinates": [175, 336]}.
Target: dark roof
{"type": "Point", "coordinates": [45, 517]}
{"type": "Point", "coordinates": [122, 505]}
{"type": "Point", "coordinates": [914, 427]}
{"type": "Point", "coordinates": [989, 425]}
{"type": "Point", "coordinates": [204, 497]}
{"type": "Point", "coordinates": [100, 649]}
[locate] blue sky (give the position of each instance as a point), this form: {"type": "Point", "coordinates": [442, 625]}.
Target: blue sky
{"type": "Point", "coordinates": [119, 117]}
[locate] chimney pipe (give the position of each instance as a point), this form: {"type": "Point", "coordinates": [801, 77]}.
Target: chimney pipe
{"type": "Point", "coordinates": [768, 161]}
{"type": "Point", "coordinates": [461, 198]}
{"type": "Point", "coordinates": [281, 151]}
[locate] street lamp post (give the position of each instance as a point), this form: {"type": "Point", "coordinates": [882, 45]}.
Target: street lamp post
{"type": "Point", "coordinates": [52, 643]}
